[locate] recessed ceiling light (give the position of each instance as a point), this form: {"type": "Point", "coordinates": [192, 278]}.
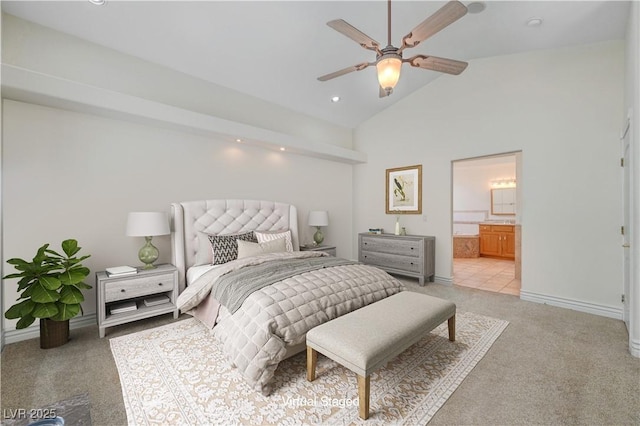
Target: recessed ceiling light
{"type": "Point", "coordinates": [476, 7]}
{"type": "Point", "coordinates": [282, 148]}
{"type": "Point", "coordinates": [335, 99]}
{"type": "Point", "coordinates": [98, 2]}
{"type": "Point", "coordinates": [239, 140]}
{"type": "Point", "coordinates": [534, 22]}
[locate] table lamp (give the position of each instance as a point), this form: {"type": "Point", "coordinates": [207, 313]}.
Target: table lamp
{"type": "Point", "coordinates": [147, 225]}
{"type": "Point", "coordinates": [318, 219]}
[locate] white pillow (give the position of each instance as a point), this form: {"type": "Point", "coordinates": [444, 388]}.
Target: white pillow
{"type": "Point", "coordinates": [249, 249]}
{"type": "Point", "coordinates": [264, 236]}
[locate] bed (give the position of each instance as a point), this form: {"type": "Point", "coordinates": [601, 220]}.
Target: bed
{"type": "Point", "coordinates": [261, 303]}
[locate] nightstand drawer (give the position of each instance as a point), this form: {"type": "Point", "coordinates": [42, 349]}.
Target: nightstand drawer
{"type": "Point", "coordinates": [137, 287]}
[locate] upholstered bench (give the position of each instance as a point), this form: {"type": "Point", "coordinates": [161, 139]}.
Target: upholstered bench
{"type": "Point", "coordinates": [366, 339]}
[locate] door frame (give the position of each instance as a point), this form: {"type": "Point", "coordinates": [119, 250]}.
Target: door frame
{"type": "Point", "coordinates": [519, 204]}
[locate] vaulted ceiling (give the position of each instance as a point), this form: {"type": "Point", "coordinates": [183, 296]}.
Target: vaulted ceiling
{"type": "Point", "coordinates": [276, 50]}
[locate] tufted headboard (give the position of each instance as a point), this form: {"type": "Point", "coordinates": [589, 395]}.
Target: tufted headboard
{"type": "Point", "coordinates": [191, 221]}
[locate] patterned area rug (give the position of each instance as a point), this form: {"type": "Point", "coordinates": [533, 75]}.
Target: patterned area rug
{"type": "Point", "coordinates": [175, 374]}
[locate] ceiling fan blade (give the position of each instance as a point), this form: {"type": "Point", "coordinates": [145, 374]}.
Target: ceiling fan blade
{"type": "Point", "coordinates": [446, 15]}
{"type": "Point", "coordinates": [354, 34]}
{"type": "Point", "coordinates": [344, 71]}
{"type": "Point", "coordinates": [449, 66]}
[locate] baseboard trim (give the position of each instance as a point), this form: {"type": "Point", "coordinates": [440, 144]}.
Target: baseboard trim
{"type": "Point", "coordinates": [576, 305]}
{"type": "Point", "coordinates": [32, 332]}
{"type": "Point", "coordinates": [634, 348]}
{"type": "Point", "coordinates": [443, 280]}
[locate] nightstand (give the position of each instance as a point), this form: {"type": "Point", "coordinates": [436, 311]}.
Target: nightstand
{"type": "Point", "coordinates": [327, 249]}
{"type": "Point", "coordinates": [122, 299]}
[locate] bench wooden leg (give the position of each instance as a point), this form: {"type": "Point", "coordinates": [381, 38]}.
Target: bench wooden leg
{"type": "Point", "coordinates": [363, 397]}
{"type": "Point", "coordinates": [452, 328]}
{"type": "Point", "coordinates": [312, 359]}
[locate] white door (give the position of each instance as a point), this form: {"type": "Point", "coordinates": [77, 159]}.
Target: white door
{"type": "Point", "coordinates": [626, 212]}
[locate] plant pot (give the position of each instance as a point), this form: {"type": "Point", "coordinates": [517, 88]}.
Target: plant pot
{"type": "Point", "coordinates": [53, 333]}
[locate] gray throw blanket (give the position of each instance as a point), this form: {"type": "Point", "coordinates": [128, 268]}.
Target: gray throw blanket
{"type": "Point", "coordinates": [234, 287]}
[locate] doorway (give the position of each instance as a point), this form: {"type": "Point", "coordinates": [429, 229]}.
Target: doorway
{"type": "Point", "coordinates": [486, 223]}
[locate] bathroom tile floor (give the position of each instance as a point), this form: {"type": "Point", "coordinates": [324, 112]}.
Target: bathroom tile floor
{"type": "Point", "coordinates": [483, 273]}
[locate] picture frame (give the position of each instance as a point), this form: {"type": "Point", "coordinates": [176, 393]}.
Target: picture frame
{"type": "Point", "coordinates": [404, 190]}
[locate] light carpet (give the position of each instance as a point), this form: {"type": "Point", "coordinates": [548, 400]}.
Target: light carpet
{"type": "Point", "coordinates": [175, 374]}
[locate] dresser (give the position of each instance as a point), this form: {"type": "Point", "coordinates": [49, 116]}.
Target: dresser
{"type": "Point", "coordinates": [408, 255]}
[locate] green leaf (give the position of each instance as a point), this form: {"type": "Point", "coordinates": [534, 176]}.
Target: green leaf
{"type": "Point", "coordinates": [40, 294]}
{"type": "Point", "coordinates": [70, 247]}
{"type": "Point", "coordinates": [45, 310]}
{"type": "Point", "coordinates": [66, 312]}
{"type": "Point", "coordinates": [10, 276]}
{"type": "Point", "coordinates": [25, 322]}
{"type": "Point", "coordinates": [49, 282]}
{"type": "Point", "coordinates": [25, 282]}
{"type": "Point", "coordinates": [83, 286]}
{"type": "Point", "coordinates": [27, 291]}
{"type": "Point", "coordinates": [74, 261]}
{"type": "Point", "coordinates": [54, 253]}
{"type": "Point", "coordinates": [27, 308]}
{"type": "Point", "coordinates": [79, 268]}
{"type": "Point", "coordinates": [41, 255]}
{"type": "Point", "coordinates": [69, 295]}
{"type": "Point", "coordinates": [19, 264]}
{"type": "Point", "coordinates": [19, 309]}
{"type": "Point", "coordinates": [72, 276]}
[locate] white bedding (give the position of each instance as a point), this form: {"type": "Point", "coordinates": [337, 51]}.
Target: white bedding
{"type": "Point", "coordinates": [255, 338]}
{"type": "Point", "coordinates": [196, 272]}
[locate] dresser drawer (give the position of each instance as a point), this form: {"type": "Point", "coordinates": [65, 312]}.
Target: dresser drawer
{"type": "Point", "coordinates": [401, 247]}
{"type": "Point", "coordinates": [137, 287]}
{"type": "Point", "coordinates": [393, 261]}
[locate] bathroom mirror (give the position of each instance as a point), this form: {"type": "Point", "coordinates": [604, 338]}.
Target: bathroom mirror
{"type": "Point", "coordinates": [503, 201]}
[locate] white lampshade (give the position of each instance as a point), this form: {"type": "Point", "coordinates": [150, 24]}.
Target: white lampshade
{"type": "Point", "coordinates": [318, 218]}
{"type": "Point", "coordinates": [147, 224]}
{"type": "Point", "coordinates": [389, 72]}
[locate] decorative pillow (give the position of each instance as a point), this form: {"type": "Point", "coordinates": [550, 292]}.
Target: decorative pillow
{"type": "Point", "coordinates": [225, 247]}
{"type": "Point", "coordinates": [249, 249]}
{"type": "Point", "coordinates": [264, 236]}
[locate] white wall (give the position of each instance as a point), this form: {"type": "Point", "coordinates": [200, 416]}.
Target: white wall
{"type": "Point", "coordinates": [72, 175]}
{"type": "Point", "coordinates": [632, 106]}
{"type": "Point", "coordinates": [562, 109]}
{"type": "Point", "coordinates": [472, 183]}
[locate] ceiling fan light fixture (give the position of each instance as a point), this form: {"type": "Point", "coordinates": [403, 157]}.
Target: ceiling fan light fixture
{"type": "Point", "coordinates": [389, 72]}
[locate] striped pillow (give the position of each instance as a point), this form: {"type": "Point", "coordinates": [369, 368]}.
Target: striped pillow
{"type": "Point", "coordinates": [265, 236]}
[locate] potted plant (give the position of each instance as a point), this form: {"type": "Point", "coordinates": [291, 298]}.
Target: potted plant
{"type": "Point", "coordinates": [51, 289]}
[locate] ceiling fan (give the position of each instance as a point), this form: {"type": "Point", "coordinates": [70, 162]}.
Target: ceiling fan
{"type": "Point", "coordinates": [389, 59]}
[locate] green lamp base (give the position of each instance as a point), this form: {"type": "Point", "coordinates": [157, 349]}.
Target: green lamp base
{"type": "Point", "coordinates": [318, 238]}
{"type": "Point", "coordinates": [148, 254]}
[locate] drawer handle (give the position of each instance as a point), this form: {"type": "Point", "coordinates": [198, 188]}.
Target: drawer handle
{"type": "Point", "coordinates": [411, 248]}
{"type": "Point", "coordinates": [122, 290]}
{"type": "Point", "coordinates": [159, 283]}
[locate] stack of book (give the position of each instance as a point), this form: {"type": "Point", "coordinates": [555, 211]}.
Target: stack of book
{"type": "Point", "coordinates": [156, 300]}
{"type": "Point", "coordinates": [121, 271]}
{"type": "Point", "coordinates": [123, 307]}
